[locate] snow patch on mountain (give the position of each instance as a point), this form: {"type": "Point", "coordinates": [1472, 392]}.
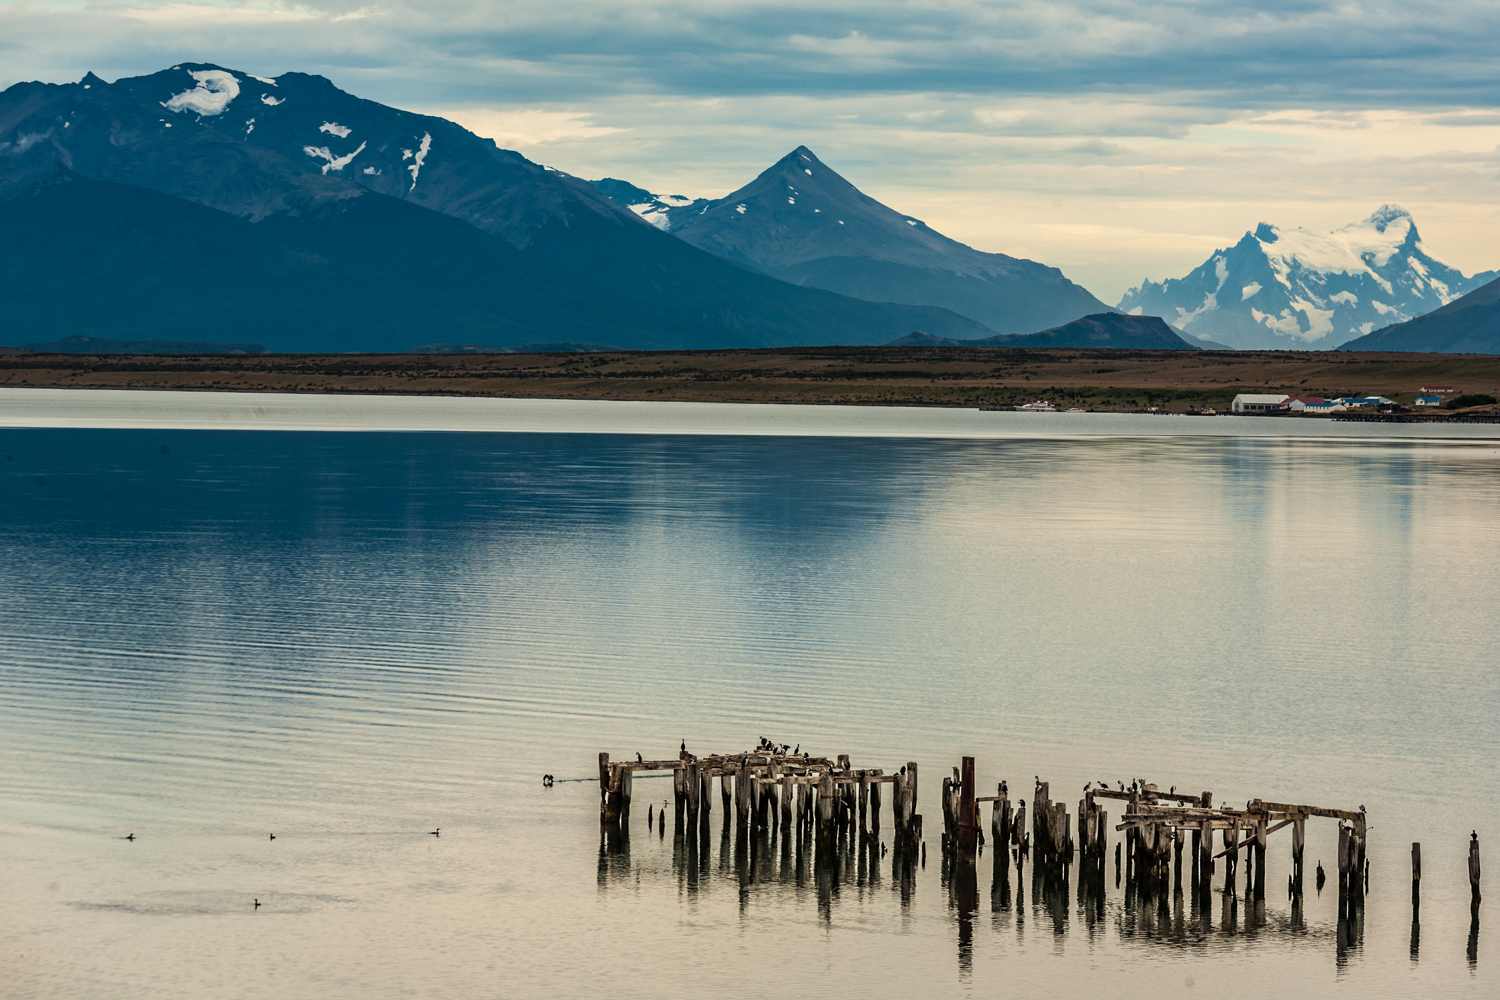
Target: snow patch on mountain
{"type": "Point", "coordinates": [272, 101]}
{"type": "Point", "coordinates": [336, 163]}
{"type": "Point", "coordinates": [1307, 289]}
{"type": "Point", "coordinates": [215, 89]}
{"type": "Point", "coordinates": [421, 158]}
{"type": "Point", "coordinates": [334, 128]}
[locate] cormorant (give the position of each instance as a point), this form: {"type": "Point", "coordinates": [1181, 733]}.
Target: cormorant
{"type": "Point", "coordinates": [638, 759]}
{"type": "Point", "coordinates": [1172, 790]}
{"type": "Point", "coordinates": [128, 837]}
{"type": "Point", "coordinates": [1086, 785]}
{"type": "Point", "coordinates": [273, 836]}
{"type": "Point", "coordinates": [684, 746]}
{"type": "Point", "coordinates": [798, 749]}
{"type": "Point", "coordinates": [436, 832]}
{"type": "Point", "coordinates": [650, 817]}
{"type": "Point", "coordinates": [257, 904]}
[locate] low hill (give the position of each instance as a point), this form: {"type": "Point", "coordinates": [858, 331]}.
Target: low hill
{"type": "Point", "coordinates": [1102, 330]}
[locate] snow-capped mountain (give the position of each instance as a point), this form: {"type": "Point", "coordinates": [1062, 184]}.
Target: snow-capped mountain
{"type": "Point", "coordinates": [1295, 288]}
{"type": "Point", "coordinates": [203, 202]}
{"type": "Point", "coordinates": [804, 223]}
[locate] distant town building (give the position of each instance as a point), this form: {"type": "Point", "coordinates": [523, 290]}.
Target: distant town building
{"type": "Point", "coordinates": [1299, 403]}
{"type": "Point", "coordinates": [1249, 402]}
{"type": "Point", "coordinates": [1353, 401]}
{"type": "Point", "coordinates": [1428, 401]}
{"type": "Point", "coordinates": [1428, 389]}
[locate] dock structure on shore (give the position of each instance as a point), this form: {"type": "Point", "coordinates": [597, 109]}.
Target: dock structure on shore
{"type": "Point", "coordinates": [772, 789]}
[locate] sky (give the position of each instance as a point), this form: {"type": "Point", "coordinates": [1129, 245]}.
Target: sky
{"type": "Point", "coordinates": [1116, 139]}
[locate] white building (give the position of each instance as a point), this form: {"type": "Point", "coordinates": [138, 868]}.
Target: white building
{"type": "Point", "coordinates": [1249, 402]}
{"type": "Point", "coordinates": [1428, 400]}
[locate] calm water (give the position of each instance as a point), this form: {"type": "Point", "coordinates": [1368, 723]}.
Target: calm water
{"type": "Point", "coordinates": [351, 639]}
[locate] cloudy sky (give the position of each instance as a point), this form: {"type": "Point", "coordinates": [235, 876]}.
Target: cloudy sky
{"type": "Point", "coordinates": [1116, 139]}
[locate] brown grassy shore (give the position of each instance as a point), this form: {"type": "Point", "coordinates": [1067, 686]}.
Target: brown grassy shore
{"type": "Point", "coordinates": [899, 376]}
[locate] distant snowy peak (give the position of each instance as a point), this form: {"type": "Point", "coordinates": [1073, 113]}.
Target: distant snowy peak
{"type": "Point", "coordinates": [666, 212]}
{"type": "Point", "coordinates": [1305, 289]}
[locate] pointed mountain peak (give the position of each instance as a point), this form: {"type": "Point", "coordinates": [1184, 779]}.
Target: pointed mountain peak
{"type": "Point", "coordinates": [90, 80]}
{"type": "Point", "coordinates": [1266, 233]}
{"type": "Point", "coordinates": [1387, 214]}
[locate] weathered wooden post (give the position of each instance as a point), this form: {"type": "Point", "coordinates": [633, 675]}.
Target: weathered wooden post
{"type": "Point", "coordinates": [864, 804]}
{"type": "Point", "coordinates": [1416, 875]}
{"type": "Point", "coordinates": [726, 796]}
{"type": "Point", "coordinates": [826, 833]}
{"type": "Point", "coordinates": [1346, 859]}
{"type": "Point", "coordinates": [690, 783]}
{"type": "Point", "coordinates": [875, 810]}
{"type": "Point", "coordinates": [786, 801]}
{"type": "Point", "coordinates": [950, 820]}
{"type": "Point", "coordinates": [968, 812]}
{"type": "Point", "coordinates": [1299, 850]}
{"type": "Point", "coordinates": [603, 780]}
{"type": "Point", "coordinates": [742, 781]}
{"type": "Point", "coordinates": [1260, 857]}
{"type": "Point", "coordinates": [1474, 869]}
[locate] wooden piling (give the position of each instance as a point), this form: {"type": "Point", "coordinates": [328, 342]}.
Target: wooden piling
{"type": "Point", "coordinates": [1416, 875]}
{"type": "Point", "coordinates": [875, 811]}
{"type": "Point", "coordinates": [1474, 869]}
{"type": "Point", "coordinates": [968, 810]}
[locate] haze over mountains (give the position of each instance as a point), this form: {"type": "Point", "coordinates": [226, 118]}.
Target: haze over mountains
{"type": "Point", "coordinates": [206, 204]}
{"type": "Point", "coordinates": [1293, 288]}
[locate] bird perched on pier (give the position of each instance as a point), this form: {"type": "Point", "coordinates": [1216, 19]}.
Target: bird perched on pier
{"type": "Point", "coordinates": [1121, 784]}
{"type": "Point", "coordinates": [1003, 788]}
{"type": "Point", "coordinates": [1172, 790]}
{"type": "Point", "coordinates": [638, 759]}
{"type": "Point", "coordinates": [684, 746]}
{"type": "Point", "coordinates": [798, 749]}
{"type": "Point", "coordinates": [903, 768]}
{"type": "Point", "coordinates": [1087, 785]}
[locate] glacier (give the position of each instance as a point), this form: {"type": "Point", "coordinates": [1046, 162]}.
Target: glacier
{"type": "Point", "coordinates": [1306, 289]}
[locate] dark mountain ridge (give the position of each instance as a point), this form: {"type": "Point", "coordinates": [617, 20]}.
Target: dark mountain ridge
{"type": "Point", "coordinates": [342, 224]}
{"type": "Point", "coordinates": [1469, 324]}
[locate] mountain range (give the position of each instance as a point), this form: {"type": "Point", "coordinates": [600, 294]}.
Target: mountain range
{"type": "Point", "coordinates": [1295, 288]}
{"type": "Point", "coordinates": [207, 204]}
{"type": "Point", "coordinates": [801, 221]}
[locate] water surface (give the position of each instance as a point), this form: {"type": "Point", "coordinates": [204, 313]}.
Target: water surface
{"type": "Point", "coordinates": [349, 640]}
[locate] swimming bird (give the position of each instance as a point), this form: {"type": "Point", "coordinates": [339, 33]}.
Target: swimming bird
{"type": "Point", "coordinates": [436, 832]}
{"type": "Point", "coordinates": [128, 837]}
{"type": "Point", "coordinates": [1321, 876]}
{"type": "Point", "coordinates": [257, 904]}
{"type": "Point", "coordinates": [650, 817]}
{"type": "Point", "coordinates": [273, 836]}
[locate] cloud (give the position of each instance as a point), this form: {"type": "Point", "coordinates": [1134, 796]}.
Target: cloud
{"type": "Point", "coordinates": [523, 128]}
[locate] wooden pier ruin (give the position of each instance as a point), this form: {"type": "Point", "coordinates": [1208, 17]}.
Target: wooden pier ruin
{"type": "Point", "coordinates": [772, 789]}
{"type": "Point", "coordinates": [829, 811]}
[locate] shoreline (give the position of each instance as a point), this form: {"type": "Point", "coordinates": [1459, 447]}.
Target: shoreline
{"type": "Point", "coordinates": [32, 408]}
